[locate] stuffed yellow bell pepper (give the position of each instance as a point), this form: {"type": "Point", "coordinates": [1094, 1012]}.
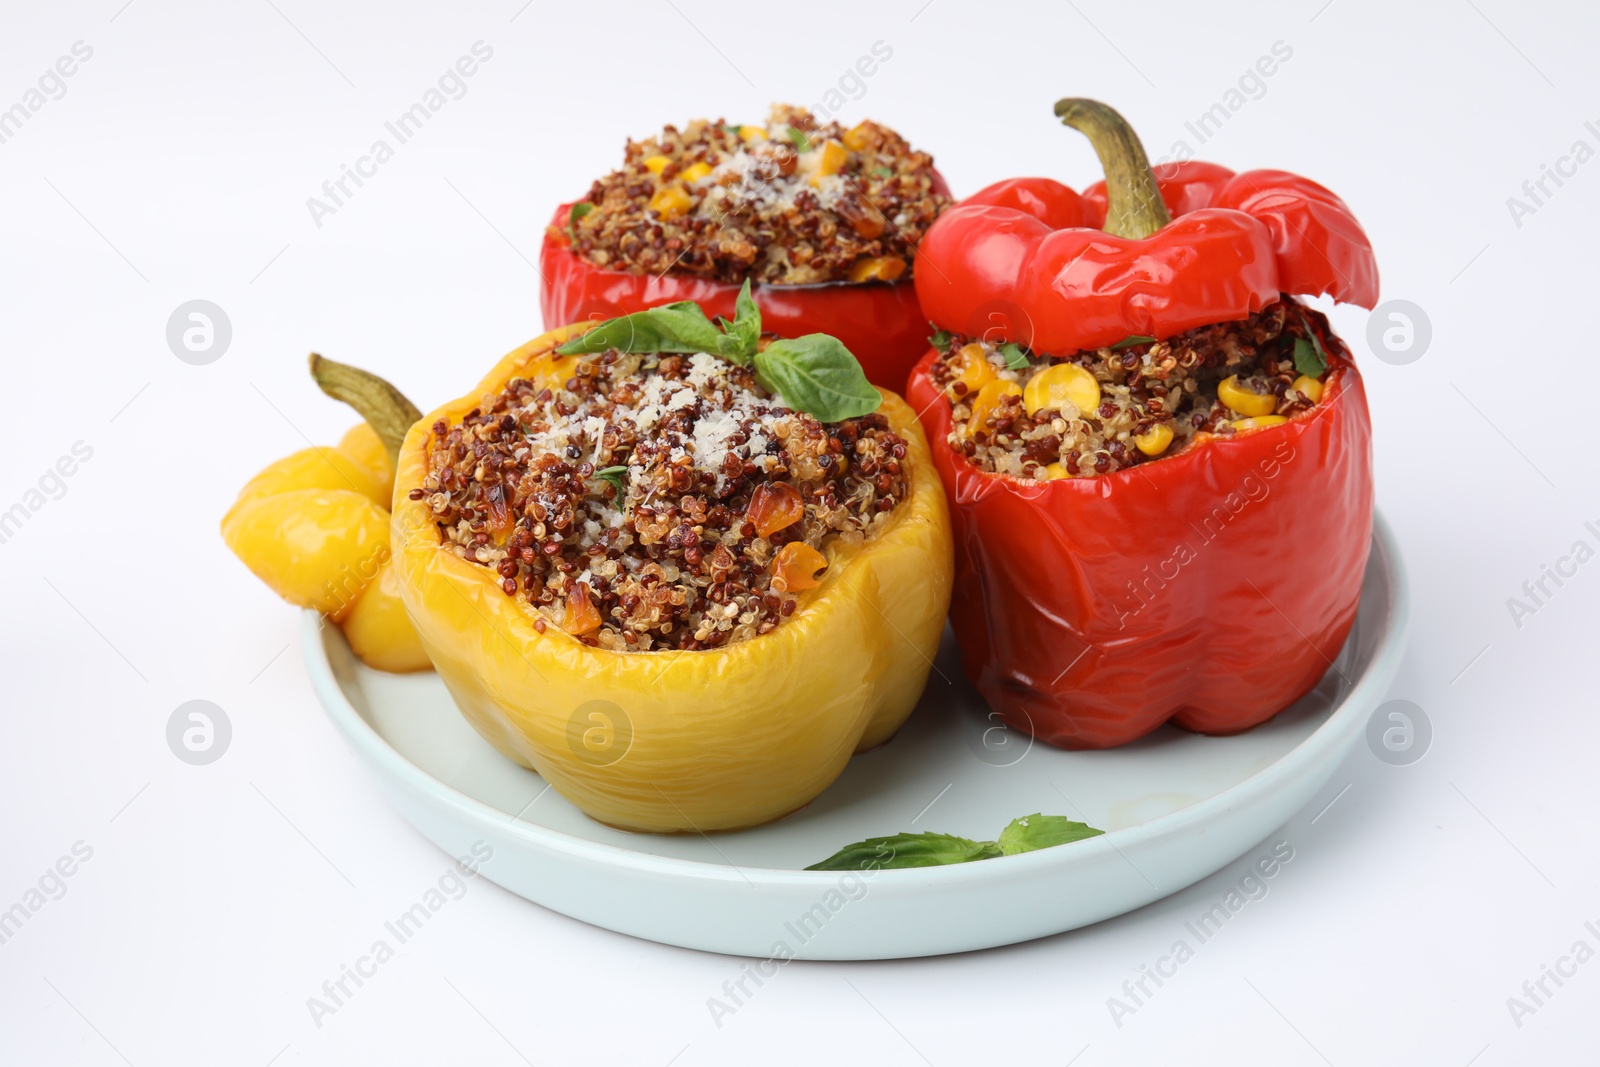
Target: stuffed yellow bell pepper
{"type": "Point", "coordinates": [314, 526]}
{"type": "Point", "coordinates": [684, 604]}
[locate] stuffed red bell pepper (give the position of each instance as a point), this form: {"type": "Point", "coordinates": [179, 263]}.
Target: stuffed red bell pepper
{"type": "Point", "coordinates": [1157, 459]}
{"type": "Point", "coordinates": [824, 220]}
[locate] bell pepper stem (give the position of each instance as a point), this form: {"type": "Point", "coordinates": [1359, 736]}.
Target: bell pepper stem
{"type": "Point", "coordinates": [385, 408]}
{"type": "Point", "coordinates": [1134, 207]}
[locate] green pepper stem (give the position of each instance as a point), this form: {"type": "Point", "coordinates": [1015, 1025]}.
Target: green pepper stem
{"type": "Point", "coordinates": [385, 408]}
{"type": "Point", "coordinates": [1134, 207]}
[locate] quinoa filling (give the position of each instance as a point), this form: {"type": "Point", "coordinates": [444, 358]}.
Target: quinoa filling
{"type": "Point", "coordinates": [1101, 410]}
{"type": "Point", "coordinates": [646, 502]}
{"type": "Point", "coordinates": [791, 202]}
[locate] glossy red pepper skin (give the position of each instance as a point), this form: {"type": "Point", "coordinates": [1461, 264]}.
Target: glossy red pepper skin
{"type": "Point", "coordinates": [1212, 587]}
{"type": "Point", "coordinates": [881, 323]}
{"type": "Point", "coordinates": [1024, 260]}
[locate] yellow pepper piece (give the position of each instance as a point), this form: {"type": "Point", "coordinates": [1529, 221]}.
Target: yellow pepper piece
{"type": "Point", "coordinates": [1056, 471]}
{"type": "Point", "coordinates": [1259, 422]}
{"type": "Point", "coordinates": [656, 164]}
{"type": "Point", "coordinates": [1243, 401]}
{"type": "Point", "coordinates": [752, 134]}
{"type": "Point", "coordinates": [796, 566]}
{"type": "Point", "coordinates": [1155, 441]}
{"type": "Point", "coordinates": [976, 370]}
{"type": "Point", "coordinates": [789, 706]}
{"type": "Point", "coordinates": [1308, 387]}
{"type": "Point", "coordinates": [858, 138]}
{"type": "Point", "coordinates": [877, 269]}
{"type": "Point", "coordinates": [379, 630]}
{"type": "Point", "coordinates": [1062, 383]}
{"type": "Point", "coordinates": [581, 617]}
{"type": "Point", "coordinates": [670, 201]}
{"type": "Point", "coordinates": [987, 400]}
{"type": "Point", "coordinates": [695, 172]}
{"type": "Point", "coordinates": [832, 159]}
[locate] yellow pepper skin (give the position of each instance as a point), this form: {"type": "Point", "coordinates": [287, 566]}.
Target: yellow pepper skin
{"type": "Point", "coordinates": [314, 526]}
{"type": "Point", "coordinates": [379, 630]}
{"type": "Point", "coordinates": [362, 445]}
{"type": "Point", "coordinates": [680, 741]}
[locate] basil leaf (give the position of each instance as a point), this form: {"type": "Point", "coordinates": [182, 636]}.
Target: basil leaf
{"type": "Point", "coordinates": [1308, 358]}
{"type": "Point", "coordinates": [1027, 834]}
{"type": "Point", "coordinates": [1015, 358]}
{"type": "Point", "coordinates": [743, 333]}
{"type": "Point", "coordinates": [617, 476]}
{"type": "Point", "coordinates": [1129, 342]}
{"type": "Point", "coordinates": [883, 172]}
{"type": "Point", "coordinates": [907, 850]}
{"type": "Point", "coordinates": [818, 375]}
{"type": "Point", "coordinates": [679, 327]}
{"type": "Point", "coordinates": [798, 138]}
{"type": "Point", "coordinates": [578, 211]}
{"type": "Point", "coordinates": [1033, 832]}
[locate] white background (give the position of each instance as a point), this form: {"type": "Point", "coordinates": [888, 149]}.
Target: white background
{"type": "Point", "coordinates": [177, 166]}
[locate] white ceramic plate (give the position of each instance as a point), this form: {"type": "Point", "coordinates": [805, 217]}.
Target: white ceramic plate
{"type": "Point", "coordinates": [1176, 807]}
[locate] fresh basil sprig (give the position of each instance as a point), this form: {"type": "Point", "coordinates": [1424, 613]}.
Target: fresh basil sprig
{"type": "Point", "coordinates": [816, 373]}
{"type": "Point", "coordinates": [1027, 834]}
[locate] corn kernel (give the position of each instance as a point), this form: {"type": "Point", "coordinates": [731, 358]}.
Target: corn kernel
{"type": "Point", "coordinates": [976, 370]}
{"type": "Point", "coordinates": [1259, 422]}
{"type": "Point", "coordinates": [1056, 471]}
{"type": "Point", "coordinates": [671, 201]}
{"type": "Point", "coordinates": [752, 134]}
{"type": "Point", "coordinates": [1062, 383]}
{"type": "Point", "coordinates": [987, 400]}
{"type": "Point", "coordinates": [858, 138]}
{"type": "Point", "coordinates": [695, 172]}
{"type": "Point", "coordinates": [1308, 387]}
{"type": "Point", "coordinates": [656, 164]}
{"type": "Point", "coordinates": [1154, 442]}
{"type": "Point", "coordinates": [1242, 401]}
{"type": "Point", "coordinates": [877, 268]}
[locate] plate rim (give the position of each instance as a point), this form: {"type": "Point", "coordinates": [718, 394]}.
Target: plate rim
{"type": "Point", "coordinates": [383, 757]}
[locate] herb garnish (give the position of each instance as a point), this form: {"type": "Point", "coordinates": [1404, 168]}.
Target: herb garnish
{"type": "Point", "coordinates": [816, 373]}
{"type": "Point", "coordinates": [1027, 834]}
{"type": "Point", "coordinates": [579, 210]}
{"type": "Point", "coordinates": [1016, 359]}
{"type": "Point", "coordinates": [617, 476]}
{"type": "Point", "coordinates": [1310, 358]}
